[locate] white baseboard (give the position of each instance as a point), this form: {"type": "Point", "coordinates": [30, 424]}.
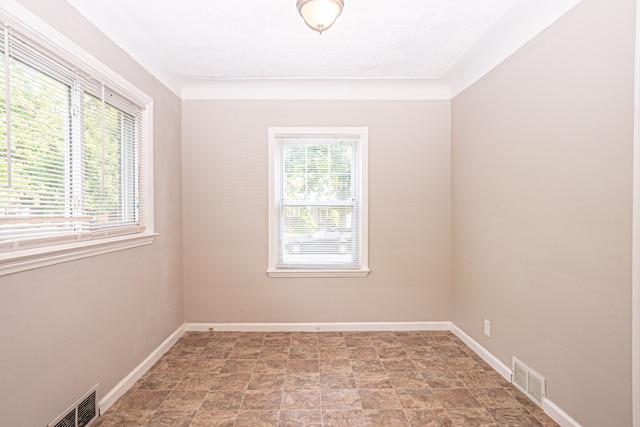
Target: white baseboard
{"type": "Point", "coordinates": [320, 327]}
{"type": "Point", "coordinates": [121, 388]}
{"type": "Point", "coordinates": [493, 361]}
{"type": "Point", "coordinates": [550, 408]}
{"type": "Point", "coordinates": [558, 415]}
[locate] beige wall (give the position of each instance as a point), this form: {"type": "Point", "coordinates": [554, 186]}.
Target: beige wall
{"type": "Point", "coordinates": [67, 327]}
{"type": "Point", "coordinates": [542, 176]}
{"type": "Point", "coordinates": [225, 214]}
{"type": "Point", "coordinates": [541, 190]}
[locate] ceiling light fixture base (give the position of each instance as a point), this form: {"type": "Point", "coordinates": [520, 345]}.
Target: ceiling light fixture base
{"type": "Point", "coordinates": [320, 15]}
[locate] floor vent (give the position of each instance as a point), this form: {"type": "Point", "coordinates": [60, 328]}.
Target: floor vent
{"type": "Point", "coordinates": [81, 413]}
{"type": "Point", "coordinates": [528, 381]}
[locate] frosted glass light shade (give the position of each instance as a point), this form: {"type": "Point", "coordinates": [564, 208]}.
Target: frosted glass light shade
{"type": "Point", "coordinates": [320, 15]}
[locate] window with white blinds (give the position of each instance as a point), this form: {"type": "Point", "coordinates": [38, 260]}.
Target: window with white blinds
{"type": "Point", "coordinates": [71, 151]}
{"type": "Point", "coordinates": [318, 200]}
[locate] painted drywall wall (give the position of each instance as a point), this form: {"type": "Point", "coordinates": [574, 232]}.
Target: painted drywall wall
{"type": "Point", "coordinates": [225, 214]}
{"type": "Point", "coordinates": [542, 196]}
{"type": "Point", "coordinates": [67, 327]}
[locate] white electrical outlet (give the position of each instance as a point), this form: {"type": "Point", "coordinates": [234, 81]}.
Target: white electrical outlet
{"type": "Point", "coordinates": [487, 328]}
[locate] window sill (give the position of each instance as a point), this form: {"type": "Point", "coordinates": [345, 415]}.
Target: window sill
{"type": "Point", "coordinates": [318, 273]}
{"type": "Point", "coordinates": [29, 259]}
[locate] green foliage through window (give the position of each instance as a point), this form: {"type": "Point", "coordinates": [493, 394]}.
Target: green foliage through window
{"type": "Point", "coordinates": [68, 148]}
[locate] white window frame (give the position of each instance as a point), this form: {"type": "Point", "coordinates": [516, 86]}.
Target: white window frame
{"type": "Point", "coordinates": [18, 17]}
{"type": "Point", "coordinates": [362, 133]}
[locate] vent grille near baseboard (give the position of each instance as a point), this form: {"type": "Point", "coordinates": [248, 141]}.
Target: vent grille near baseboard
{"type": "Point", "coordinates": [528, 381]}
{"type": "Point", "coordinates": [81, 413]}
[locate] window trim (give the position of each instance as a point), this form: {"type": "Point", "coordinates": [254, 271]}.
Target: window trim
{"type": "Point", "coordinates": [21, 19]}
{"type": "Point", "coordinates": [363, 271]}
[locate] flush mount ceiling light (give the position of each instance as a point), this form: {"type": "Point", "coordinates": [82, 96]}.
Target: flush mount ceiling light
{"type": "Point", "coordinates": [320, 15]}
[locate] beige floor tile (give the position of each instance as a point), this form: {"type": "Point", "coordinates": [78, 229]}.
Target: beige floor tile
{"type": "Point", "coordinates": [183, 400]}
{"type": "Point", "coordinates": [351, 379]}
{"type": "Point", "coordinates": [301, 399]}
{"type": "Point", "coordinates": [232, 366]}
{"type": "Point", "coordinates": [231, 382]}
{"type": "Point", "coordinates": [266, 382]}
{"type": "Point", "coordinates": [222, 400]}
{"type": "Point", "coordinates": [372, 381]}
{"type": "Point", "coordinates": [340, 399]}
{"type": "Point", "coordinates": [362, 353]}
{"type": "Point", "coordinates": [124, 418]}
{"type": "Point", "coordinates": [385, 417]}
{"type": "Point", "coordinates": [257, 419]}
{"type": "Point", "coordinates": [171, 419]}
{"type": "Point", "coordinates": [428, 418]}
{"type": "Point", "coordinates": [261, 400]}
{"type": "Point", "coordinates": [418, 399]}
{"type": "Point", "coordinates": [207, 418]}
{"type": "Point", "coordinates": [514, 416]}
{"type": "Point", "coordinates": [334, 353]}
{"type": "Point", "coordinates": [403, 380]}
{"type": "Point", "coordinates": [144, 400]}
{"type": "Point", "coordinates": [343, 418]}
{"type": "Point", "coordinates": [303, 367]}
{"type": "Point", "coordinates": [304, 418]}
{"type": "Point", "coordinates": [456, 398]}
{"type": "Point", "coordinates": [270, 367]}
{"type": "Point", "coordinates": [379, 399]}
{"type": "Point", "coordinates": [337, 380]}
{"type": "Point", "coordinates": [494, 398]}
{"type": "Point", "coordinates": [302, 380]}
{"type": "Point", "coordinates": [476, 417]}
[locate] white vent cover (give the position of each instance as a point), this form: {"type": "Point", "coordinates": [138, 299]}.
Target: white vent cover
{"type": "Point", "coordinates": [81, 413]}
{"type": "Point", "coordinates": [528, 381]}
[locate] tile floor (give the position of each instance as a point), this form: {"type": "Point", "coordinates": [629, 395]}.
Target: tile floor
{"type": "Point", "coordinates": [242, 379]}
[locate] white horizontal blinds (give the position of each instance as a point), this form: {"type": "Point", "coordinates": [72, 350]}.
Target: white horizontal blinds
{"type": "Point", "coordinates": [5, 167]}
{"type": "Point", "coordinates": [110, 160]}
{"type": "Point", "coordinates": [37, 131]}
{"type": "Point", "coordinates": [69, 153]}
{"type": "Point", "coordinates": [319, 196]}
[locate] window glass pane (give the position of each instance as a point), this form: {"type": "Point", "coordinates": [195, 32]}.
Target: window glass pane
{"type": "Point", "coordinates": [317, 159]}
{"type": "Point", "coordinates": [39, 131]}
{"type": "Point", "coordinates": [295, 159]}
{"type": "Point", "coordinates": [111, 207]}
{"type": "Point", "coordinates": [92, 156]}
{"type": "Point", "coordinates": [107, 162]}
{"type": "Point", "coordinates": [341, 157]}
{"type": "Point", "coordinates": [318, 187]}
{"type": "Point", "coordinates": [315, 235]}
{"type": "Point", "coordinates": [129, 168]}
{"type": "Point", "coordinates": [70, 150]}
{"type": "Point", "coordinates": [317, 173]}
{"type": "Point", "coordinates": [3, 127]}
{"type": "Point", "coordinates": [295, 186]}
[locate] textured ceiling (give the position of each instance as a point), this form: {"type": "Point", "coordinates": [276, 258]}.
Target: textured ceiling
{"type": "Point", "coordinates": [267, 39]}
{"type": "Point", "coordinates": [377, 49]}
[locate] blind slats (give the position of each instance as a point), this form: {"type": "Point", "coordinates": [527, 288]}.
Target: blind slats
{"type": "Point", "coordinates": [70, 151]}
{"type": "Point", "coordinates": [318, 199]}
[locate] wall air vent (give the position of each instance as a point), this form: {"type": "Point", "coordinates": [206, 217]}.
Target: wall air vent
{"type": "Point", "coordinates": [528, 381]}
{"type": "Point", "coordinates": [81, 413]}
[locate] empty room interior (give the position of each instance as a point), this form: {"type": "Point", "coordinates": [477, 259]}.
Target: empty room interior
{"type": "Point", "coordinates": [393, 203]}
